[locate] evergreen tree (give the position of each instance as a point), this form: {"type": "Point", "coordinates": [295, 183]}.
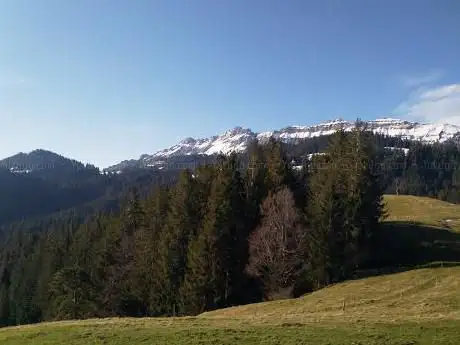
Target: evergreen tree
{"type": "Point", "coordinates": [279, 172]}
{"type": "Point", "coordinates": [5, 283]}
{"type": "Point", "coordinates": [72, 294]}
{"type": "Point", "coordinates": [255, 182]}
{"type": "Point", "coordinates": [222, 242]}
{"type": "Point", "coordinates": [344, 208]}
{"type": "Point", "coordinates": [181, 225]}
{"type": "Point", "coordinates": [146, 250]}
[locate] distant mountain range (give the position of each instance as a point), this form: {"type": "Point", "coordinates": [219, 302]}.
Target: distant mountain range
{"type": "Point", "coordinates": [234, 140]}
{"type": "Point", "coordinates": [41, 182]}
{"type": "Point", "coordinates": [238, 139]}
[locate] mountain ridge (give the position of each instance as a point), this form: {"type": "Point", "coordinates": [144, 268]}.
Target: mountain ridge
{"type": "Point", "coordinates": [38, 159]}
{"type": "Point", "coordinates": [238, 138]}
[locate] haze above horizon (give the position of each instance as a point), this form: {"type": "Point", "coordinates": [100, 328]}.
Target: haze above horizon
{"type": "Point", "coordinates": [108, 80]}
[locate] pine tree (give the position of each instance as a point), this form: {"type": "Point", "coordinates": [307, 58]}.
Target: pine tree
{"type": "Point", "coordinates": [5, 283]}
{"type": "Point", "coordinates": [279, 173]}
{"type": "Point", "coordinates": [146, 249]}
{"type": "Point", "coordinates": [256, 188]}
{"type": "Point", "coordinates": [365, 204]}
{"type": "Point", "coordinates": [121, 296]}
{"type": "Point", "coordinates": [181, 225]}
{"type": "Point", "coordinates": [220, 246]}
{"type": "Point", "coordinates": [72, 294]}
{"type": "Point", "coordinates": [344, 208]}
{"type": "Point", "coordinates": [198, 290]}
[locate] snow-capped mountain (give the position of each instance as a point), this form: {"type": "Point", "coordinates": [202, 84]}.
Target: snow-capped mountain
{"type": "Point", "coordinates": [237, 139]}
{"type": "Point", "coordinates": [232, 140]}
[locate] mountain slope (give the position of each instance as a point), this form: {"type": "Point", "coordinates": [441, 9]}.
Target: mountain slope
{"type": "Point", "coordinates": [41, 183]}
{"type": "Point", "coordinates": [238, 139]}
{"type": "Point", "coordinates": [25, 196]}
{"type": "Point", "coordinates": [69, 189]}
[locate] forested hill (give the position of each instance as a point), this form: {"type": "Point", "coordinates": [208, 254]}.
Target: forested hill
{"type": "Point", "coordinates": [28, 194]}
{"type": "Point", "coordinates": [25, 195]}
{"type": "Point", "coordinates": [241, 230]}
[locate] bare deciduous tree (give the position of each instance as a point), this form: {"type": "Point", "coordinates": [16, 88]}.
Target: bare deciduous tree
{"type": "Point", "coordinates": [276, 247]}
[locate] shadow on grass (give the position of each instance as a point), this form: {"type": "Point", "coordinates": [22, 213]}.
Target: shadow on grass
{"type": "Point", "coordinates": [402, 246]}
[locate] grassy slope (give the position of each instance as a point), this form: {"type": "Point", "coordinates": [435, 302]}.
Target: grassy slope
{"type": "Point", "coordinates": [422, 210]}
{"type": "Point", "coordinates": [418, 295]}
{"type": "Point", "coordinates": [415, 307]}
{"type": "Point", "coordinates": [418, 230]}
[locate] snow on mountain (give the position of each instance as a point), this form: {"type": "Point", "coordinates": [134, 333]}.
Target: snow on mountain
{"type": "Point", "coordinates": [403, 149]}
{"type": "Point", "coordinates": [232, 140]}
{"type": "Point", "coordinates": [237, 139]}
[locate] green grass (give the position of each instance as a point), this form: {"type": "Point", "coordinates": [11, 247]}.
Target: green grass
{"type": "Point", "coordinates": [416, 307]}
{"type": "Point", "coordinates": [419, 230]}
{"type": "Point", "coordinates": [422, 210]}
{"type": "Point", "coordinates": [420, 295]}
{"type": "Point", "coordinates": [203, 332]}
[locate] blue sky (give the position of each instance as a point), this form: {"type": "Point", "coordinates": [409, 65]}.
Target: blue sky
{"type": "Point", "coordinates": [107, 80]}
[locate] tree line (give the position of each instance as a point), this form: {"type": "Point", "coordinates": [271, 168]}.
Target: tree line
{"type": "Point", "coordinates": [224, 234]}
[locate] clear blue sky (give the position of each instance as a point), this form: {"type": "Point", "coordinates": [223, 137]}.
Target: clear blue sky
{"type": "Point", "coordinates": [106, 80]}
